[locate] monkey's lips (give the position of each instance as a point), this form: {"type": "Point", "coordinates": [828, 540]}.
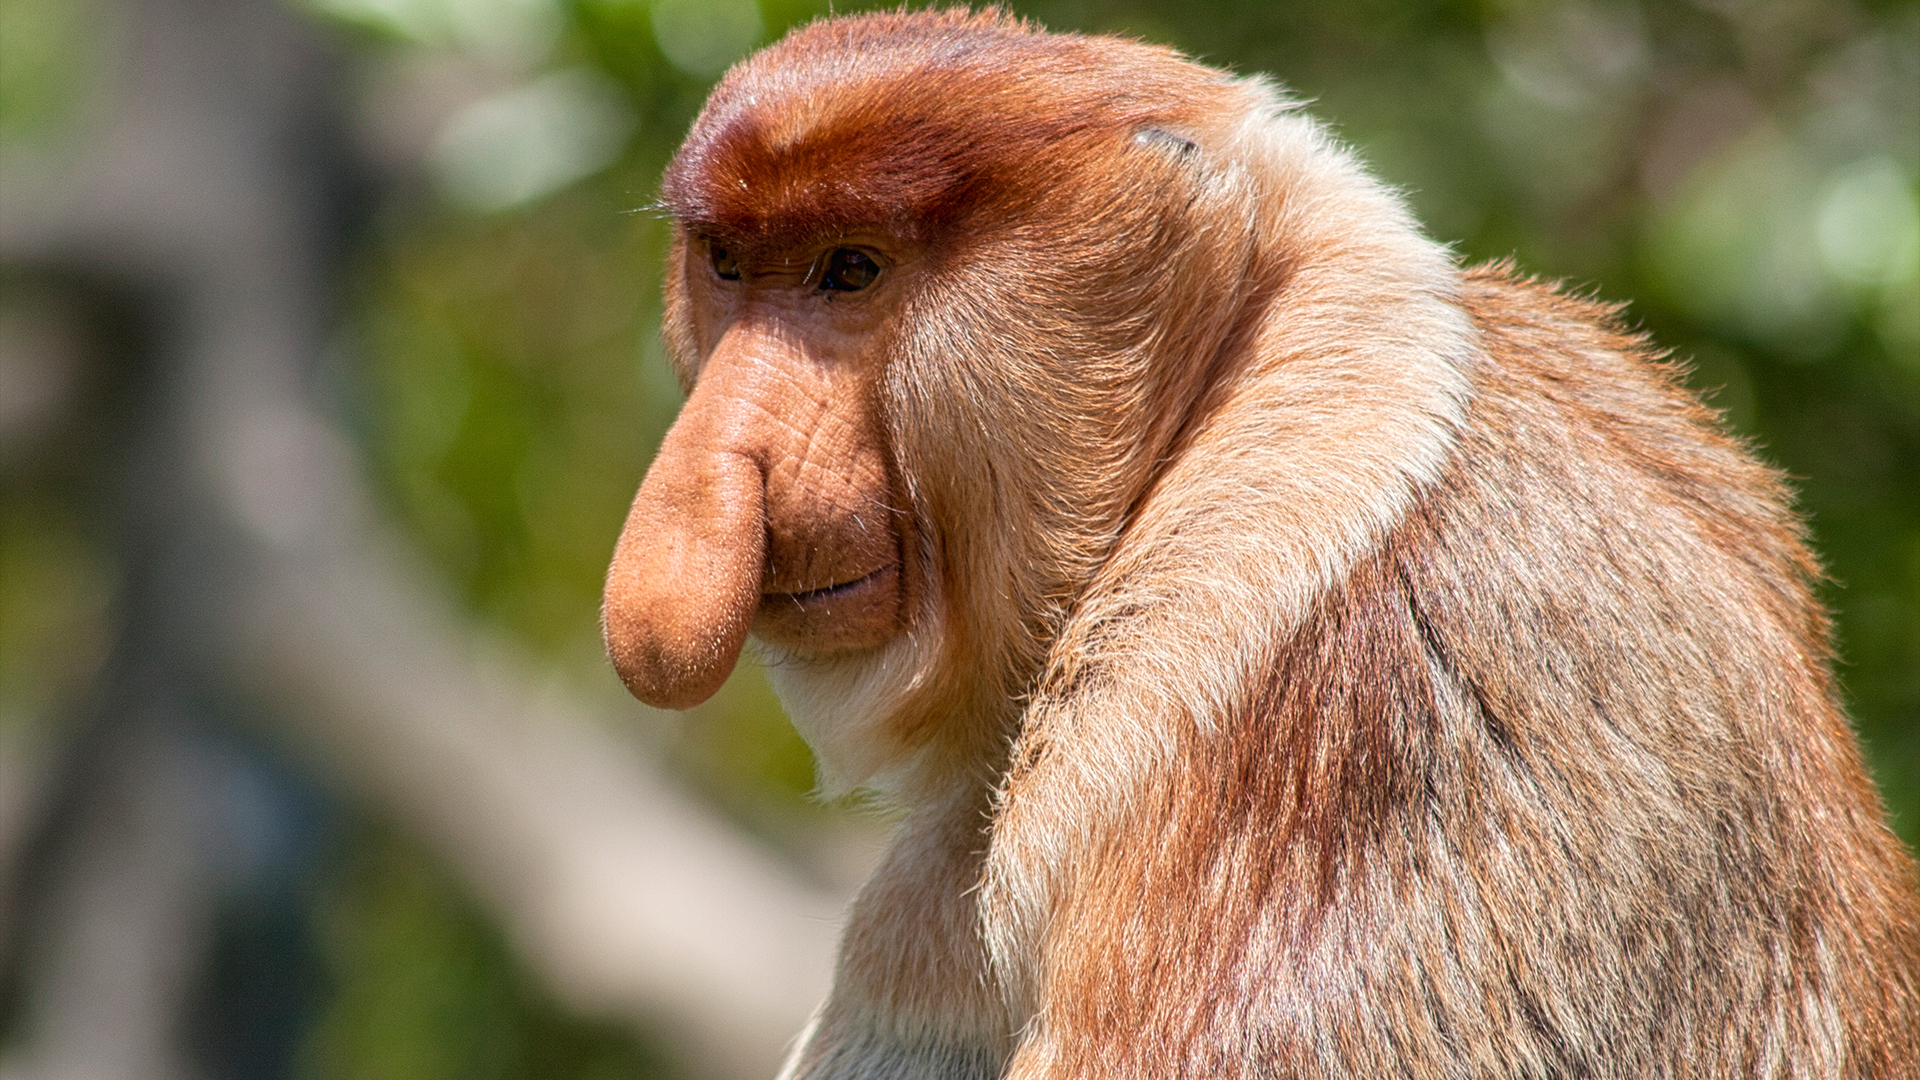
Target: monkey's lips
{"type": "Point", "coordinates": [857, 613]}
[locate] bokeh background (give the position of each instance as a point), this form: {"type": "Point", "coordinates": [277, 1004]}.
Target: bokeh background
{"type": "Point", "coordinates": [329, 362]}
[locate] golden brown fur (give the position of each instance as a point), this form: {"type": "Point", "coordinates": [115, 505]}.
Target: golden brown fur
{"type": "Point", "coordinates": [1297, 657]}
{"type": "Point", "coordinates": [1551, 785]}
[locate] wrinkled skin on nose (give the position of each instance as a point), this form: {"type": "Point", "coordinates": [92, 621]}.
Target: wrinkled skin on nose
{"type": "Point", "coordinates": [768, 508]}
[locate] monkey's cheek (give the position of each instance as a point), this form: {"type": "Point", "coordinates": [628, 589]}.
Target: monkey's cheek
{"type": "Point", "coordinates": [862, 614]}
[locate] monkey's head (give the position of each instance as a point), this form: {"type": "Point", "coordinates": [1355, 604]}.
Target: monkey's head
{"type": "Point", "coordinates": [944, 292]}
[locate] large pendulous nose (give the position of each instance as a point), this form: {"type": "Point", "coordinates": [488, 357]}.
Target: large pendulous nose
{"type": "Point", "coordinates": [685, 577]}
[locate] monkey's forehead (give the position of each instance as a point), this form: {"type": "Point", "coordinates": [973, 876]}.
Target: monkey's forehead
{"type": "Point", "coordinates": [886, 120]}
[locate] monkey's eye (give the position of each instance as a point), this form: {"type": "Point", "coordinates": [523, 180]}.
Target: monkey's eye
{"type": "Point", "coordinates": [724, 263]}
{"type": "Point", "coordinates": [849, 271]}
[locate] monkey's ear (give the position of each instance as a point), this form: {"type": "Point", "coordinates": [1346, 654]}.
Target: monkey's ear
{"type": "Point", "coordinates": [1157, 138]}
{"type": "Point", "coordinates": [1346, 402]}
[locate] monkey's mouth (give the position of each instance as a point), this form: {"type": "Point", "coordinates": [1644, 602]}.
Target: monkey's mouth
{"type": "Point", "coordinates": [809, 596]}
{"type": "Point", "coordinates": [857, 613]}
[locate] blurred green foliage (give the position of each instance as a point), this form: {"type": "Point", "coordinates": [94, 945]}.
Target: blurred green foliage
{"type": "Point", "coordinates": [56, 575]}
{"type": "Point", "coordinates": [46, 60]}
{"type": "Point", "coordinates": [429, 991]}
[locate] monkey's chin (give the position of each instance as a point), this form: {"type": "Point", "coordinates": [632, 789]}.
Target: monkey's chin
{"type": "Point", "coordinates": [860, 613]}
{"type": "Point", "coordinates": [841, 706]}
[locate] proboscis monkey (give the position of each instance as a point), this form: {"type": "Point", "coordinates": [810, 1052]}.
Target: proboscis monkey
{"type": "Point", "coordinates": [1298, 656]}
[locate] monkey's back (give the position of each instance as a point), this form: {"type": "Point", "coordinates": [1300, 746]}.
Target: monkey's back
{"type": "Point", "coordinates": [1684, 692]}
{"type": "Point", "coordinates": [1553, 784]}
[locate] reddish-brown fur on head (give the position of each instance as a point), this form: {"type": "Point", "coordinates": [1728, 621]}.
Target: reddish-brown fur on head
{"type": "Point", "coordinates": [1297, 657]}
{"type": "Point", "coordinates": [883, 122]}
